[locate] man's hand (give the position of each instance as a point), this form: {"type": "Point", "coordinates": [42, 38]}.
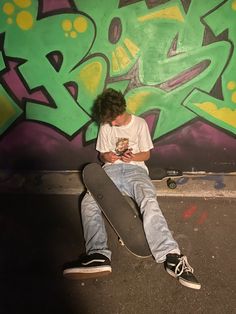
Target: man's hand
{"type": "Point", "coordinates": [109, 157]}
{"type": "Point", "coordinates": [127, 156]}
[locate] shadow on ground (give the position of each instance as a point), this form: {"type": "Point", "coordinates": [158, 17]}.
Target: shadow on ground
{"type": "Point", "coordinates": [39, 233]}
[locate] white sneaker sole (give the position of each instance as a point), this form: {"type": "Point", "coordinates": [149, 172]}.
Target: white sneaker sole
{"type": "Point", "coordinates": [86, 273]}
{"type": "Point", "coordinates": [183, 282]}
{"type": "Point", "coordinates": [188, 284]}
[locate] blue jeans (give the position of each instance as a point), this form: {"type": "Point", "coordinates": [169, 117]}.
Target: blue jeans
{"type": "Point", "coordinates": [133, 181]}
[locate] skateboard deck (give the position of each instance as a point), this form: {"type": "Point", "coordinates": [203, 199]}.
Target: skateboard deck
{"type": "Point", "coordinates": [176, 178]}
{"type": "Point", "coordinates": [120, 213]}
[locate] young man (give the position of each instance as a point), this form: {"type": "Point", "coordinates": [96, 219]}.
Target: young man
{"type": "Point", "coordinates": [124, 144]}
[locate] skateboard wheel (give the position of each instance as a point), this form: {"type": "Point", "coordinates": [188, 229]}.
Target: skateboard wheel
{"type": "Point", "coordinates": [171, 184]}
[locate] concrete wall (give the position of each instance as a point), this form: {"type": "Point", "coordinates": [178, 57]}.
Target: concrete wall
{"type": "Point", "coordinates": [174, 60]}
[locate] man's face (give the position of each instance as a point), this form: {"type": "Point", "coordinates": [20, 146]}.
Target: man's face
{"type": "Point", "coordinates": [119, 120]}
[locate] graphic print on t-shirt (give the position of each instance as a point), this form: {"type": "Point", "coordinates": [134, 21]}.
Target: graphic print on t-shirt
{"type": "Point", "coordinates": [122, 145]}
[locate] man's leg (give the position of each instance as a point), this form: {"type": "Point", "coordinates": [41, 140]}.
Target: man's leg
{"type": "Point", "coordinates": [163, 247]}
{"type": "Point", "coordinates": [97, 261]}
{"type": "Point", "coordinates": [138, 185]}
{"type": "Point", "coordinates": [94, 228]}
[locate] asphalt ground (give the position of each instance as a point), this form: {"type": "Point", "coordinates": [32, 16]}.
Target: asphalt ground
{"type": "Point", "coordinates": [40, 233]}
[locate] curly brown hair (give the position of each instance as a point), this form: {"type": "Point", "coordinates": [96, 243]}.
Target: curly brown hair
{"type": "Point", "coordinates": [108, 106]}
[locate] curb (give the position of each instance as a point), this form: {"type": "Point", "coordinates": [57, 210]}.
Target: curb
{"type": "Point", "coordinates": [69, 183]}
{"type": "Point", "coordinates": [204, 186]}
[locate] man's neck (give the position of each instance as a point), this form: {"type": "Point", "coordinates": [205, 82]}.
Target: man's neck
{"type": "Point", "coordinates": [127, 118]}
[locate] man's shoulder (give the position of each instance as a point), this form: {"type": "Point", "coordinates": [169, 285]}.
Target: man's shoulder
{"type": "Point", "coordinates": [105, 126]}
{"type": "Point", "coordinates": [139, 119]}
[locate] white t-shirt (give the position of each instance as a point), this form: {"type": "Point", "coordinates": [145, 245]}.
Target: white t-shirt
{"type": "Point", "coordinates": [135, 135]}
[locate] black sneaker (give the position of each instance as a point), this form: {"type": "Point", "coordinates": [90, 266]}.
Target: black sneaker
{"type": "Point", "coordinates": [89, 266]}
{"type": "Point", "coordinates": [178, 267]}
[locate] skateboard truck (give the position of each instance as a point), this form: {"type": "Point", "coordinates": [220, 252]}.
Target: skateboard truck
{"type": "Point", "coordinates": [121, 242]}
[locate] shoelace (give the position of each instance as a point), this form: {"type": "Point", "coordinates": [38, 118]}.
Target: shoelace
{"type": "Point", "coordinates": [182, 266]}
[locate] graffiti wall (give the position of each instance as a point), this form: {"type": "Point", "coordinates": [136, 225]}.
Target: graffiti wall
{"type": "Point", "coordinates": [174, 61]}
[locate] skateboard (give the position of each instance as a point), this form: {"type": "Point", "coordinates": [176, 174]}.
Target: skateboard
{"type": "Point", "coordinates": [169, 174]}
{"type": "Point", "coordinates": [120, 213]}
{"type": "Point", "coordinates": [176, 178]}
